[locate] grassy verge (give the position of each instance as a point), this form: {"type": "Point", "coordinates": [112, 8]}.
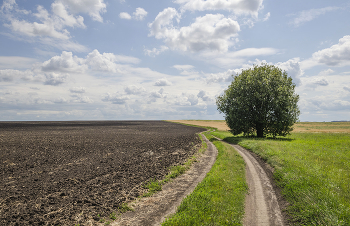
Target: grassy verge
{"type": "Point", "coordinates": [313, 170]}
{"type": "Point", "coordinates": [156, 185]}
{"type": "Point", "coordinates": [219, 198]}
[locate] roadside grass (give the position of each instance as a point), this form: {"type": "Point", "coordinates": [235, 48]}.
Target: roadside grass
{"type": "Point", "coordinates": [154, 185]}
{"type": "Point", "coordinates": [219, 198]}
{"type": "Point", "coordinates": [313, 170]}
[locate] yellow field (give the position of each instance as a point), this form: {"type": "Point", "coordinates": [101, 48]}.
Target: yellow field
{"type": "Point", "coordinates": [300, 127]}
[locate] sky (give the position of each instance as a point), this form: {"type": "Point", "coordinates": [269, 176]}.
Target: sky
{"type": "Point", "coordinates": [156, 60]}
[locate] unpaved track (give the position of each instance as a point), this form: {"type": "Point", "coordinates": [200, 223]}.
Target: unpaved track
{"type": "Point", "coordinates": [261, 204]}
{"type": "Point", "coordinates": [153, 210]}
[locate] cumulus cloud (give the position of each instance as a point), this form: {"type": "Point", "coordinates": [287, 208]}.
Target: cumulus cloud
{"type": "Point", "coordinates": [55, 79]}
{"type": "Point", "coordinates": [293, 69]}
{"type": "Point", "coordinates": [193, 99]}
{"type": "Point", "coordinates": [50, 28]}
{"type": "Point", "coordinates": [336, 55]}
{"type": "Point", "coordinates": [64, 63]}
{"type": "Point", "coordinates": [50, 25]}
{"type": "Point", "coordinates": [139, 14]}
{"type": "Point", "coordinates": [77, 90]}
{"type": "Point", "coordinates": [186, 69]}
{"type": "Point", "coordinates": [134, 90]}
{"type": "Point", "coordinates": [217, 30]}
{"type": "Point", "coordinates": [162, 82]}
{"type": "Point", "coordinates": [107, 62]}
{"type": "Point", "coordinates": [204, 96]}
{"type": "Point", "coordinates": [125, 15]}
{"type": "Point", "coordinates": [237, 6]}
{"type": "Point", "coordinates": [92, 7]}
{"type": "Point", "coordinates": [226, 76]}
{"type": "Point", "coordinates": [115, 99]}
{"type": "Point", "coordinates": [308, 15]}
{"type": "Point", "coordinates": [347, 88]}
{"type": "Point", "coordinates": [9, 75]}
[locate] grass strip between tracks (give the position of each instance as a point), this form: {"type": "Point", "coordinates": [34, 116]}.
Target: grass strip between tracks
{"type": "Point", "coordinates": [219, 198]}
{"type": "Point", "coordinates": [313, 170]}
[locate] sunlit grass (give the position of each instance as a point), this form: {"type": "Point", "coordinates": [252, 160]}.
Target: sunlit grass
{"type": "Point", "coordinates": [219, 198]}
{"type": "Point", "coordinates": [314, 171]}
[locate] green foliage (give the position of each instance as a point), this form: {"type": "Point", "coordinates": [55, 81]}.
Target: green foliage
{"type": "Point", "coordinates": [125, 208]}
{"type": "Point", "coordinates": [261, 101]}
{"type": "Point", "coordinates": [113, 216]}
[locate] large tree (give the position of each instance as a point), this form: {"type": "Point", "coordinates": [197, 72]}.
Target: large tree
{"type": "Point", "coordinates": [260, 100]}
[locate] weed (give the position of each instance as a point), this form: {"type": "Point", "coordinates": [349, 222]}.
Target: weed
{"type": "Point", "coordinates": [113, 216]}
{"type": "Point", "coordinates": [125, 208]}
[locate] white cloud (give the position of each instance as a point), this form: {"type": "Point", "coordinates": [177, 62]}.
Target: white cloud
{"type": "Point", "coordinates": [140, 14]}
{"type": "Point", "coordinates": [308, 15]}
{"type": "Point", "coordinates": [49, 25]}
{"type": "Point", "coordinates": [193, 99]}
{"type": "Point", "coordinates": [293, 69]}
{"type": "Point", "coordinates": [155, 51]}
{"type": "Point", "coordinates": [65, 63]}
{"type": "Point", "coordinates": [236, 58]}
{"type": "Point", "coordinates": [66, 19]}
{"type": "Point", "coordinates": [203, 95]}
{"type": "Point", "coordinates": [115, 99]}
{"type": "Point", "coordinates": [107, 61]}
{"type": "Point", "coordinates": [237, 6]}
{"type": "Point", "coordinates": [336, 55]}
{"type": "Point", "coordinates": [162, 24]}
{"type": "Point", "coordinates": [92, 7]}
{"type": "Point", "coordinates": [125, 15]}
{"type": "Point", "coordinates": [51, 28]}
{"type": "Point", "coordinates": [186, 69]}
{"type": "Point", "coordinates": [77, 90]}
{"type": "Point", "coordinates": [162, 82]}
{"type": "Point", "coordinates": [55, 79]}
{"type": "Point", "coordinates": [225, 77]}
{"type": "Point", "coordinates": [134, 90]}
{"type": "Point", "coordinates": [9, 75]}
{"type": "Point", "coordinates": [217, 30]}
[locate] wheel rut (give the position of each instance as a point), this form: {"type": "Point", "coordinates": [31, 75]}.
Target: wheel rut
{"type": "Point", "coordinates": [261, 205]}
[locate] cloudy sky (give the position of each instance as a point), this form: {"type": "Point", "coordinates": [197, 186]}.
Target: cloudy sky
{"type": "Point", "coordinates": [137, 59]}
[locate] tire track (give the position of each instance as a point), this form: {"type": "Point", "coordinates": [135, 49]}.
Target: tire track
{"type": "Point", "coordinates": [261, 204]}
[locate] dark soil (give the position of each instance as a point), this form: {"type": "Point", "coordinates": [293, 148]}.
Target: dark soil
{"type": "Point", "coordinates": [67, 173]}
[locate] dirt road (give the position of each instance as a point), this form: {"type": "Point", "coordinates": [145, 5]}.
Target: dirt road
{"type": "Point", "coordinates": [153, 210]}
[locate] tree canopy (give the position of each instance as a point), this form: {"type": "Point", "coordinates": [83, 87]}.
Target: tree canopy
{"type": "Point", "coordinates": [260, 100]}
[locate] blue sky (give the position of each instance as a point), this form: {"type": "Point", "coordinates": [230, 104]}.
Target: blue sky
{"type": "Point", "coordinates": [137, 60]}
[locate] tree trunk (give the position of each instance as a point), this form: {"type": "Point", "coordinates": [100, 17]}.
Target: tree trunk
{"type": "Point", "coordinates": [259, 130]}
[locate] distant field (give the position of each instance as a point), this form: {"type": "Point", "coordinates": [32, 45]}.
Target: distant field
{"type": "Point", "coordinates": [300, 127]}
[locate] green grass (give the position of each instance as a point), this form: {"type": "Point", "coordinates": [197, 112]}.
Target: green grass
{"type": "Point", "coordinates": [313, 170]}
{"type": "Point", "coordinates": [219, 198]}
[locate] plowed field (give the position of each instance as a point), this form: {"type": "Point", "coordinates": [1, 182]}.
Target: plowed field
{"type": "Point", "coordinates": [66, 173]}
